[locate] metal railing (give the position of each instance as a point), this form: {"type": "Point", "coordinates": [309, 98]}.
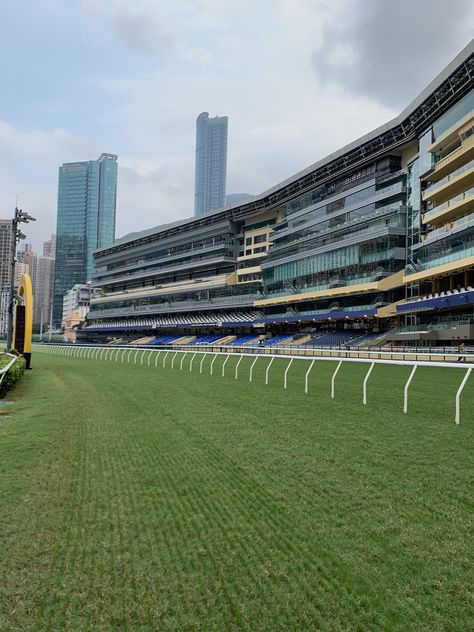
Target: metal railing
{"type": "Point", "coordinates": [7, 367]}
{"type": "Point", "coordinates": [128, 354]}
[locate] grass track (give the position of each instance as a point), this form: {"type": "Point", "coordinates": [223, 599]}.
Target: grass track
{"type": "Point", "coordinates": [150, 499]}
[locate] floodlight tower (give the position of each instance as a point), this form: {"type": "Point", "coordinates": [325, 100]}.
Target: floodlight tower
{"type": "Point", "coordinates": [19, 217]}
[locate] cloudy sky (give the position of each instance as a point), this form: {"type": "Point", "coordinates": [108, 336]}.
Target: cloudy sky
{"type": "Point", "coordinates": [297, 78]}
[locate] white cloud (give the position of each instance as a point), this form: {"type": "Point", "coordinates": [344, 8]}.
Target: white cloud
{"type": "Point", "coordinates": [29, 166]}
{"type": "Point", "coordinates": [390, 51]}
{"type": "Point", "coordinates": [148, 67]}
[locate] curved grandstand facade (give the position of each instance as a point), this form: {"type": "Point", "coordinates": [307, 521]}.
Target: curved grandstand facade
{"type": "Point", "coordinates": [377, 238]}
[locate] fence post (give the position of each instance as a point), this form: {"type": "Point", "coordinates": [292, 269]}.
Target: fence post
{"type": "Point", "coordinates": [191, 363]}
{"type": "Point", "coordinates": [182, 360]}
{"type": "Point", "coordinates": [213, 360]}
{"type": "Point", "coordinates": [268, 369]}
{"type": "Point", "coordinates": [156, 359]}
{"type": "Point", "coordinates": [237, 366]}
{"type": "Point", "coordinates": [307, 375]}
{"type": "Point", "coordinates": [150, 355]}
{"type": "Point", "coordinates": [364, 386]}
{"type": "Point", "coordinates": [405, 390]}
{"type": "Point", "coordinates": [172, 359]}
{"type": "Point", "coordinates": [201, 363]}
{"type": "Point", "coordinates": [135, 356]}
{"type": "Point", "coordinates": [286, 372]}
{"type": "Point", "coordinates": [251, 368]}
{"type": "Point", "coordinates": [458, 397]}
{"type": "Point", "coordinates": [334, 378]}
{"type": "Point", "coordinates": [164, 359]}
{"type": "Point", "coordinates": [225, 362]}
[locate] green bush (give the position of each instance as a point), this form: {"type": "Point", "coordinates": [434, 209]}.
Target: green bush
{"type": "Point", "coordinates": [13, 375]}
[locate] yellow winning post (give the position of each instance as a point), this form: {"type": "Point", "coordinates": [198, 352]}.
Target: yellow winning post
{"type": "Point", "coordinates": [23, 319]}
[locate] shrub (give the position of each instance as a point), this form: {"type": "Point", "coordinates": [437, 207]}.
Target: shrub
{"type": "Point", "coordinates": [14, 373]}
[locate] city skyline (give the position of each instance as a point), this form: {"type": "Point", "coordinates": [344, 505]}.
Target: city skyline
{"type": "Point", "coordinates": [123, 77]}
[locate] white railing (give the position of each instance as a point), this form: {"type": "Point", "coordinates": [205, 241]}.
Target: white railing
{"type": "Point", "coordinates": [117, 353]}
{"type": "Point", "coordinates": [7, 367]}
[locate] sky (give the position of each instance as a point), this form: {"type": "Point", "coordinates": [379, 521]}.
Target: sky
{"type": "Point", "coordinates": [298, 79]}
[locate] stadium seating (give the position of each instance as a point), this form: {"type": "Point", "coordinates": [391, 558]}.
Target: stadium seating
{"type": "Point", "coordinates": [188, 320]}
{"type": "Point", "coordinates": [361, 340]}
{"type": "Point", "coordinates": [335, 338]}
{"type": "Point", "coordinates": [277, 340]}
{"type": "Point", "coordinates": [143, 341]}
{"type": "Point", "coordinates": [205, 340]}
{"type": "Point", "coordinates": [165, 340]}
{"type": "Point", "coordinates": [242, 341]}
{"type": "Point", "coordinates": [184, 340]}
{"type": "Point", "coordinates": [441, 300]}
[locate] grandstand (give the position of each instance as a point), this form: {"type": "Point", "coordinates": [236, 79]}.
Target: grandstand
{"type": "Point", "coordinates": [375, 238]}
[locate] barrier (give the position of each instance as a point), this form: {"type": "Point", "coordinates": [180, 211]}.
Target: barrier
{"type": "Point", "coordinates": [89, 352]}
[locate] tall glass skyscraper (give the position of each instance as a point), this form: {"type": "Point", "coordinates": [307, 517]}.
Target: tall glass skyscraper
{"type": "Point", "coordinates": [87, 193]}
{"type": "Point", "coordinates": [211, 163]}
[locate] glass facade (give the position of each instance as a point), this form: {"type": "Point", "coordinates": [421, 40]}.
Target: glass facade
{"type": "Point", "coordinates": [85, 221]}
{"type": "Point", "coordinates": [211, 163]}
{"type": "Point", "coordinates": [347, 232]}
{"type": "Point", "coordinates": [464, 107]}
{"type": "Point", "coordinates": [442, 232]}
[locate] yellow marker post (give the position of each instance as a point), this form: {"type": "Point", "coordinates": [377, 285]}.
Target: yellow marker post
{"type": "Point", "coordinates": [23, 319]}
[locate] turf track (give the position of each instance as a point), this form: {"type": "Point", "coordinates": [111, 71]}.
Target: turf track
{"type": "Point", "coordinates": [141, 498]}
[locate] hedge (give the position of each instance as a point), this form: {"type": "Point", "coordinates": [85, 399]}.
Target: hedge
{"type": "Point", "coordinates": [14, 373]}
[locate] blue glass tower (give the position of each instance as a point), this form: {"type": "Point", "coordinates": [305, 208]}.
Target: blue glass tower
{"type": "Point", "coordinates": [87, 194]}
{"type": "Point", "coordinates": [211, 163]}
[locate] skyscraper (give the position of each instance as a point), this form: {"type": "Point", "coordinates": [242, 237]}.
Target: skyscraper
{"type": "Point", "coordinates": [211, 163]}
{"type": "Point", "coordinates": [6, 237]}
{"type": "Point", "coordinates": [49, 247]}
{"type": "Point", "coordinates": [87, 194]}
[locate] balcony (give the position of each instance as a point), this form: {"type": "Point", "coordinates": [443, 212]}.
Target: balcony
{"type": "Point", "coordinates": [133, 276]}
{"type": "Point", "coordinates": [452, 161]}
{"type": "Point", "coordinates": [447, 229]}
{"type": "Point", "coordinates": [245, 300]}
{"type": "Point", "coordinates": [445, 265]}
{"type": "Point", "coordinates": [451, 185]}
{"type": "Point", "coordinates": [455, 208]}
{"type": "Point", "coordinates": [163, 290]}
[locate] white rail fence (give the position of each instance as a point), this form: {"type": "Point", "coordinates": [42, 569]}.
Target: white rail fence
{"type": "Point", "coordinates": [7, 367]}
{"type": "Point", "coordinates": [128, 354]}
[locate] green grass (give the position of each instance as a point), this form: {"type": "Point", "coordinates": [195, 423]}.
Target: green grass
{"type": "Point", "coordinates": [4, 360]}
{"type": "Point", "coordinates": [141, 498]}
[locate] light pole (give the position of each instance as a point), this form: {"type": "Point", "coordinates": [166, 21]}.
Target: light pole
{"type": "Point", "coordinates": [51, 321]}
{"type": "Point", "coordinates": [41, 321]}
{"type": "Point", "coordinates": [18, 218]}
